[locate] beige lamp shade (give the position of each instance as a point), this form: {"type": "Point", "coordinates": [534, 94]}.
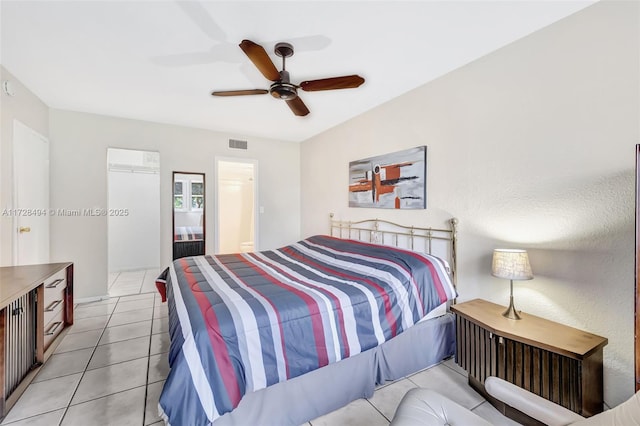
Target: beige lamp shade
{"type": "Point", "coordinates": [511, 264]}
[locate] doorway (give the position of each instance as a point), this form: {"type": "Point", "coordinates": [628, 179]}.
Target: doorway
{"type": "Point", "coordinates": [134, 221]}
{"type": "Point", "coordinates": [237, 195]}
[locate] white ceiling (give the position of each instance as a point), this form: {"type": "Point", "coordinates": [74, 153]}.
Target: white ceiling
{"type": "Point", "coordinates": [159, 60]}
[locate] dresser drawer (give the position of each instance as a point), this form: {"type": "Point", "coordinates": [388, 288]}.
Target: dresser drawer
{"type": "Point", "coordinates": [53, 285]}
{"type": "Point", "coordinates": [53, 304]}
{"type": "Point", "coordinates": [53, 327]}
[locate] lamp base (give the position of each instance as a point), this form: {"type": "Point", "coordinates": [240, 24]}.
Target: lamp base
{"type": "Point", "coordinates": [511, 312]}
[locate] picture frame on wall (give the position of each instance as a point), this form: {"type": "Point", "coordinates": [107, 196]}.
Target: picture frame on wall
{"type": "Point", "coordinates": [391, 181]}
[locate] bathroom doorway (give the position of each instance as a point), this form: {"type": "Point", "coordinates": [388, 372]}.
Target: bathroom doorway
{"type": "Point", "coordinates": [134, 220]}
{"type": "Point", "coordinates": [237, 195]}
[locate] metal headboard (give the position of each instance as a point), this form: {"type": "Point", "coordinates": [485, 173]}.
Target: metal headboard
{"type": "Point", "coordinates": [409, 237]}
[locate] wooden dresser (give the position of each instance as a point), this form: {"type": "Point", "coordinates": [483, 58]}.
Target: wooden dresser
{"type": "Point", "coordinates": [36, 305]}
{"type": "Point", "coordinates": [559, 363]}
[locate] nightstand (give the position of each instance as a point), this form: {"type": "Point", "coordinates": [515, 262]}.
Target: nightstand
{"type": "Point", "coordinates": [559, 363]}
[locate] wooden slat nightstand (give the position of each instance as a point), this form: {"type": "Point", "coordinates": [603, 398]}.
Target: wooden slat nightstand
{"type": "Point", "coordinates": [559, 363]}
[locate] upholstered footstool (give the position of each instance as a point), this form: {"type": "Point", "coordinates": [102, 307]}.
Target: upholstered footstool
{"type": "Point", "coordinates": [425, 407]}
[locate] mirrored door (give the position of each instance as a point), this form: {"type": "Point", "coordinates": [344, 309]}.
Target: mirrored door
{"type": "Point", "coordinates": [188, 214]}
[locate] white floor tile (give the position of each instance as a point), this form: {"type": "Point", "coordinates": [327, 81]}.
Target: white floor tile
{"type": "Point", "coordinates": [448, 383]}
{"type": "Point", "coordinates": [357, 413]}
{"type": "Point", "coordinates": [124, 289]}
{"type": "Point", "coordinates": [134, 283]}
{"type": "Point", "coordinates": [48, 419]}
{"type": "Point", "coordinates": [158, 368]}
{"type": "Point", "coordinates": [493, 416]}
{"type": "Point", "coordinates": [159, 343]}
{"type": "Point", "coordinates": [132, 297]}
{"type": "Point", "coordinates": [125, 305]}
{"type": "Point", "coordinates": [93, 311]}
{"type": "Point", "coordinates": [161, 311]}
{"type": "Point", "coordinates": [128, 317]}
{"type": "Point", "coordinates": [75, 341]}
{"type": "Point", "coordinates": [121, 409]}
{"type": "Point", "coordinates": [113, 276]}
{"type": "Point", "coordinates": [451, 363]}
{"type": "Point", "coordinates": [151, 275]}
{"type": "Point", "coordinates": [153, 396]}
{"type": "Point", "coordinates": [42, 397]}
{"type": "Point", "coordinates": [63, 364]}
{"type": "Point", "coordinates": [126, 275]}
{"type": "Point", "coordinates": [114, 353]}
{"type": "Point", "coordinates": [148, 286]}
{"type": "Point", "coordinates": [111, 379]}
{"type": "Point", "coordinates": [86, 324]}
{"type": "Point", "coordinates": [125, 332]}
{"type": "Point", "coordinates": [160, 325]}
{"type": "Point", "coordinates": [386, 399]}
{"type": "Point", "coordinates": [105, 301]}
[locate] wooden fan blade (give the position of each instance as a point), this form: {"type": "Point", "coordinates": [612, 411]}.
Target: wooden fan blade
{"type": "Point", "coordinates": [240, 92]}
{"type": "Point", "coordinates": [298, 107]}
{"type": "Point", "coordinates": [260, 59]}
{"type": "Point", "coordinates": [345, 82]}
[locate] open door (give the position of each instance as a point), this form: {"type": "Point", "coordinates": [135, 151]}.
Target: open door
{"type": "Point", "coordinates": [236, 201]}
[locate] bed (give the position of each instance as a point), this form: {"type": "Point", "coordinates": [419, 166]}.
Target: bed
{"type": "Point", "coordinates": [284, 336]}
{"type": "Point", "coordinates": [188, 241]}
{"type": "Point", "coordinates": [188, 233]}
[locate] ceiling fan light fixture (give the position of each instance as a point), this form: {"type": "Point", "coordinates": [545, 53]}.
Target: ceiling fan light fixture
{"type": "Point", "coordinates": [284, 91]}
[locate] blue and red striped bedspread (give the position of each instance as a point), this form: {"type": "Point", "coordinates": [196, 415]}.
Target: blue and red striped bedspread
{"type": "Point", "coordinates": [242, 322]}
{"type": "Point", "coordinates": [188, 233]}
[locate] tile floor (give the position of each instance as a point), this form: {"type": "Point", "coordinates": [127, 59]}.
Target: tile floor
{"type": "Point", "coordinates": [111, 366]}
{"type": "Point", "coordinates": [132, 282]}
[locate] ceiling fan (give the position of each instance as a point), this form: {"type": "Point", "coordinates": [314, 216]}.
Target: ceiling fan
{"type": "Point", "coordinates": [282, 88]}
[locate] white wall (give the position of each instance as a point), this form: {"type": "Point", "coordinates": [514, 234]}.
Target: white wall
{"type": "Point", "coordinates": [31, 111]}
{"type": "Point", "coordinates": [530, 147]}
{"type": "Point", "coordinates": [79, 145]}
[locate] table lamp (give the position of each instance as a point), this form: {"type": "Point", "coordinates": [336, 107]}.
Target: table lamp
{"type": "Point", "coordinates": [512, 265]}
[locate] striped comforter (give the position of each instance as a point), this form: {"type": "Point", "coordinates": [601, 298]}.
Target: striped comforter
{"type": "Point", "coordinates": [188, 233]}
{"type": "Point", "coordinates": [242, 322]}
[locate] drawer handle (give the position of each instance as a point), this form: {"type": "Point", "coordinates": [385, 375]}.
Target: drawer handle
{"type": "Point", "coordinates": [55, 283]}
{"type": "Point", "coordinates": [53, 328]}
{"type": "Point", "coordinates": [53, 305]}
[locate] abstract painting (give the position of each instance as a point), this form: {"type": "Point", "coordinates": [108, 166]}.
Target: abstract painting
{"type": "Point", "coordinates": [391, 181]}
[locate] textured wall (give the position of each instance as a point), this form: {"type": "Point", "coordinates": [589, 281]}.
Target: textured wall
{"type": "Point", "coordinates": [532, 146]}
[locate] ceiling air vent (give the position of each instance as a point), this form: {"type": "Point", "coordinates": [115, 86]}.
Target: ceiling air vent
{"type": "Point", "coordinates": [237, 144]}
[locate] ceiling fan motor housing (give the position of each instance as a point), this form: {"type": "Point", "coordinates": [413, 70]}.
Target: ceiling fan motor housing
{"type": "Point", "coordinates": [283, 89]}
